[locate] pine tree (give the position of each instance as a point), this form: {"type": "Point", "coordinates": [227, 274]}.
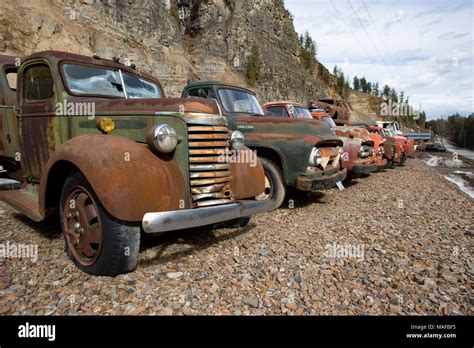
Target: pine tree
{"type": "Point", "coordinates": [386, 92]}
{"type": "Point", "coordinates": [393, 95]}
{"type": "Point", "coordinates": [376, 89]}
{"type": "Point", "coordinates": [356, 83]}
{"type": "Point", "coordinates": [363, 84]}
{"type": "Point", "coordinates": [254, 65]}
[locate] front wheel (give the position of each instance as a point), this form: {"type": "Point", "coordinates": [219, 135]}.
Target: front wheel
{"type": "Point", "coordinates": [274, 185]}
{"type": "Point", "coordinates": [95, 241]}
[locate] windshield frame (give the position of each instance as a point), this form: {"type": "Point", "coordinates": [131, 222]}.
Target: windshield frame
{"type": "Point", "coordinates": [242, 91]}
{"type": "Point", "coordinates": [331, 124]}
{"type": "Point", "coordinates": [99, 66]}
{"type": "Point", "coordinates": [307, 113]}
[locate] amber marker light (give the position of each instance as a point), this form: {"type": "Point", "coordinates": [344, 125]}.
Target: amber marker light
{"type": "Point", "coordinates": [105, 125]}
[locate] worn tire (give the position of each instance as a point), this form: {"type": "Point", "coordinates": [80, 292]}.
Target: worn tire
{"type": "Point", "coordinates": [120, 242]}
{"type": "Point", "coordinates": [277, 185]}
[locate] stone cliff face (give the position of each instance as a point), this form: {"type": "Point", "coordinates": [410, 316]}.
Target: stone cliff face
{"type": "Point", "coordinates": [215, 45]}
{"type": "Point", "coordinates": [363, 106]}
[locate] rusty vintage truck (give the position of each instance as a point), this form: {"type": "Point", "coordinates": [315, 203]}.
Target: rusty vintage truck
{"type": "Point", "coordinates": [300, 153]}
{"type": "Point", "coordinates": [97, 142]}
{"type": "Point", "coordinates": [383, 149]}
{"type": "Point", "coordinates": [392, 129]}
{"type": "Point", "coordinates": [337, 108]}
{"type": "Point", "coordinates": [358, 150]}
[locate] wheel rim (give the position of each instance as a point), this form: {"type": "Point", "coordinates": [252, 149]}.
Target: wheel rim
{"type": "Point", "coordinates": [268, 192]}
{"type": "Point", "coordinates": [82, 226]}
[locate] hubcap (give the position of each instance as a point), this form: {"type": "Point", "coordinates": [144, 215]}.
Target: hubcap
{"type": "Point", "coordinates": [268, 192]}
{"type": "Point", "coordinates": [82, 226]}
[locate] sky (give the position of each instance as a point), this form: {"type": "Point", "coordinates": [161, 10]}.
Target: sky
{"type": "Point", "coordinates": [422, 47]}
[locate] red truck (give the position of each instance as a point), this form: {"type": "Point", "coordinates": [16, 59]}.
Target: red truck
{"type": "Point", "coordinates": [357, 152]}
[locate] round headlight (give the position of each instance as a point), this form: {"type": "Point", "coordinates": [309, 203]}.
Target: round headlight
{"type": "Point", "coordinates": [237, 141]}
{"type": "Point", "coordinates": [380, 150]}
{"type": "Point", "coordinates": [164, 138]}
{"type": "Point", "coordinates": [315, 157]}
{"type": "Point", "coordinates": [366, 151]}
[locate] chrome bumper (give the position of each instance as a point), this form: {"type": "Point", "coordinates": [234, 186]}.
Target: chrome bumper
{"type": "Point", "coordinates": [187, 218]}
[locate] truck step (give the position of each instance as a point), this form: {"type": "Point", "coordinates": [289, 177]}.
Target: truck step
{"type": "Point", "coordinates": [23, 201]}
{"type": "Point", "coordinates": [9, 184]}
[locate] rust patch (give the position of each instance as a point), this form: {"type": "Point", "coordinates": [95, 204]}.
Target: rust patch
{"type": "Point", "coordinates": [160, 188]}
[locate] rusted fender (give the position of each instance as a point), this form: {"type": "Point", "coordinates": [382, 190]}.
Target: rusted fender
{"type": "Point", "coordinates": [127, 177]}
{"type": "Point", "coordinates": [247, 181]}
{"type": "Point", "coordinates": [351, 149]}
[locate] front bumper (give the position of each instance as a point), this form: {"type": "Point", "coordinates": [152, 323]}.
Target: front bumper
{"type": "Point", "coordinates": [363, 168]}
{"type": "Point", "coordinates": [309, 183]}
{"type": "Point", "coordinates": [187, 218]}
{"type": "Point", "coordinates": [381, 163]}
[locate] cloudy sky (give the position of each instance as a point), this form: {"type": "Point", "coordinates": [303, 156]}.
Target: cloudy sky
{"type": "Point", "coordinates": [422, 47]}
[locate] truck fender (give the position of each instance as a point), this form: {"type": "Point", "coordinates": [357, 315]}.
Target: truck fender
{"type": "Point", "coordinates": [128, 178]}
{"type": "Point", "coordinates": [248, 178]}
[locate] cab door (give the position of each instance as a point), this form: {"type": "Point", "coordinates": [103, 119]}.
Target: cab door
{"type": "Point", "coordinates": [38, 121]}
{"type": "Point", "coordinates": [9, 145]}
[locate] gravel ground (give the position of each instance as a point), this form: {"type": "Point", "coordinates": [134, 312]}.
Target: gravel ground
{"type": "Point", "coordinates": [406, 233]}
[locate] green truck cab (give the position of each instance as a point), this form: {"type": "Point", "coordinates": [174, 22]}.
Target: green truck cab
{"type": "Point", "coordinates": [299, 153]}
{"type": "Point", "coordinates": [98, 143]}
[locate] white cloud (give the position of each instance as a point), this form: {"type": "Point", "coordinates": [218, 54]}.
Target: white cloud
{"type": "Point", "coordinates": [424, 48]}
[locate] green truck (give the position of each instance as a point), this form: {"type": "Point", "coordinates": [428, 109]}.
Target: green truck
{"type": "Point", "coordinates": [301, 153]}
{"type": "Point", "coordinates": [98, 143]}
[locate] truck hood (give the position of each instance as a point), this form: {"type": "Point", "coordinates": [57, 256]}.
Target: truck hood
{"type": "Point", "coordinates": [150, 106]}
{"type": "Point", "coordinates": [283, 126]}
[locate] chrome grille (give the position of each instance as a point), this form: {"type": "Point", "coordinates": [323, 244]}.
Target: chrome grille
{"type": "Point", "coordinates": [209, 178]}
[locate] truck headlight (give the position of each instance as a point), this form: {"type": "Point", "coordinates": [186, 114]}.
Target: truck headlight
{"type": "Point", "coordinates": [366, 151]}
{"type": "Point", "coordinates": [163, 138]}
{"type": "Point", "coordinates": [237, 141]}
{"type": "Point", "coordinates": [315, 157]}
{"type": "Point", "coordinates": [380, 150]}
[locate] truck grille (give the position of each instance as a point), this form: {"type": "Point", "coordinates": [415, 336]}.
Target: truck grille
{"type": "Point", "coordinates": [209, 177]}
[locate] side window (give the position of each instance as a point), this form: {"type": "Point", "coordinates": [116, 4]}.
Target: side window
{"type": "Point", "coordinates": [11, 78]}
{"type": "Point", "coordinates": [38, 83]}
{"type": "Point", "coordinates": [277, 111]}
{"type": "Point", "coordinates": [202, 93]}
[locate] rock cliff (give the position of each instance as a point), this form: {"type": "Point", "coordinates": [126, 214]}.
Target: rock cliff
{"type": "Point", "coordinates": [214, 43]}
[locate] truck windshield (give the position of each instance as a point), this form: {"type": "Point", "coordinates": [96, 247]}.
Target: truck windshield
{"type": "Point", "coordinates": [329, 121]}
{"type": "Point", "coordinates": [300, 112]}
{"type": "Point", "coordinates": [87, 80]}
{"type": "Point", "coordinates": [235, 100]}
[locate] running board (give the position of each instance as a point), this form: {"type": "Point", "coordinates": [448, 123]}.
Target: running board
{"type": "Point", "coordinates": [23, 201]}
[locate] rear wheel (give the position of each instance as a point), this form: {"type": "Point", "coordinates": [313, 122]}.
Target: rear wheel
{"type": "Point", "coordinates": [275, 187]}
{"type": "Point", "coordinates": [96, 242]}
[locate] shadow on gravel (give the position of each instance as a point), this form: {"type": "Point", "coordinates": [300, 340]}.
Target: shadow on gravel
{"type": "Point", "coordinates": [49, 228]}
{"type": "Point", "coordinates": [195, 239]}
{"type": "Point", "coordinates": [301, 199]}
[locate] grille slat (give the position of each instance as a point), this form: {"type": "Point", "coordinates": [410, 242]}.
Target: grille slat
{"type": "Point", "coordinates": [209, 176]}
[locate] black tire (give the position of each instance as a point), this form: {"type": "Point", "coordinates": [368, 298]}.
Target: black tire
{"type": "Point", "coordinates": [277, 188]}
{"type": "Point", "coordinates": [119, 241]}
